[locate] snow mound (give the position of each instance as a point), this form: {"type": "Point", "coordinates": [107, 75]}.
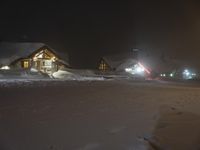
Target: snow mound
{"type": "Point", "coordinates": [33, 70]}
{"type": "Point", "coordinates": [67, 75]}
{"type": "Point", "coordinates": [61, 74]}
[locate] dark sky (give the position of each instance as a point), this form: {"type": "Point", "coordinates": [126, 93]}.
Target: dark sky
{"type": "Point", "coordinates": [87, 30]}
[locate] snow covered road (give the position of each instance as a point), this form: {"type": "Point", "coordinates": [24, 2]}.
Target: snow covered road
{"type": "Point", "coordinates": [99, 115]}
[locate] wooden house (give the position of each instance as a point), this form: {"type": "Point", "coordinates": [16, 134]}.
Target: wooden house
{"type": "Point", "coordinates": [24, 55]}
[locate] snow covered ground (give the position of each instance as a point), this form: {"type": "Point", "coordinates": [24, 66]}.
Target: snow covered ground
{"type": "Point", "coordinates": [29, 76]}
{"type": "Point", "coordinates": [99, 115]}
{"type": "Point", "coordinates": [21, 74]}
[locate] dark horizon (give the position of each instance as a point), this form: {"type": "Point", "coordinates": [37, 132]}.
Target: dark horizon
{"type": "Point", "coordinates": [89, 30]}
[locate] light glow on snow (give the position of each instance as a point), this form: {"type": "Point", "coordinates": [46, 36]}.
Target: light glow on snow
{"type": "Point", "coordinates": [136, 69]}
{"type": "Point", "coordinates": [128, 69]}
{"type": "Point", "coordinates": [5, 68]}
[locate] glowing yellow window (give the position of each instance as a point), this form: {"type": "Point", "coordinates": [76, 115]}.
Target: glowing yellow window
{"type": "Point", "coordinates": [26, 64]}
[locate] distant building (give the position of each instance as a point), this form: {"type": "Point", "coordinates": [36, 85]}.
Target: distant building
{"type": "Point", "coordinates": [24, 55]}
{"type": "Point", "coordinates": [117, 62]}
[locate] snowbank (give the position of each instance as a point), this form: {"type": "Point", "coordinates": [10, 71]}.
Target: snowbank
{"type": "Point", "coordinates": [74, 75]}
{"type": "Point", "coordinates": [61, 74]}
{"type": "Point", "coordinates": [33, 74]}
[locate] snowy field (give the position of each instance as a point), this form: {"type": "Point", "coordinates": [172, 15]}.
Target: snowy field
{"type": "Point", "coordinates": [99, 115]}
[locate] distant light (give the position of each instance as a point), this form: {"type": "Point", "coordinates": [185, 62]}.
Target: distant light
{"type": "Point", "coordinates": [139, 69]}
{"type": "Point", "coordinates": [161, 75]}
{"type": "Point", "coordinates": [129, 70]}
{"type": "Point", "coordinates": [194, 74]}
{"type": "Point", "coordinates": [5, 67]}
{"type": "Point", "coordinates": [135, 69]}
{"type": "Point", "coordinates": [171, 75]}
{"type": "Point", "coordinates": [164, 75]}
{"type": "Point", "coordinates": [188, 74]}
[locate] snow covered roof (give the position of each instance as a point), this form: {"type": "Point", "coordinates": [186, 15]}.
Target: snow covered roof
{"type": "Point", "coordinates": [120, 61]}
{"type": "Point", "coordinates": [11, 51]}
{"type": "Point", "coordinates": [150, 60]}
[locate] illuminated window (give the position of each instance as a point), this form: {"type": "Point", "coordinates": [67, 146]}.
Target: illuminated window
{"type": "Point", "coordinates": [103, 66]}
{"type": "Point", "coordinates": [25, 64]}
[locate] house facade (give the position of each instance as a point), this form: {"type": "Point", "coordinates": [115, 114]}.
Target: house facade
{"type": "Point", "coordinates": [37, 56]}
{"type": "Point", "coordinates": [117, 62]}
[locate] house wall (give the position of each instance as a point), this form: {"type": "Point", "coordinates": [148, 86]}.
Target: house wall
{"type": "Point", "coordinates": [19, 64]}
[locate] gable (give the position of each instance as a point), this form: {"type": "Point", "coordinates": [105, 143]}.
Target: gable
{"type": "Point", "coordinates": [46, 51]}
{"type": "Point", "coordinates": [103, 65]}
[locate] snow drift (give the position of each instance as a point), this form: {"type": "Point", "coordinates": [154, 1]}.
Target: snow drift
{"type": "Point", "coordinates": [75, 75]}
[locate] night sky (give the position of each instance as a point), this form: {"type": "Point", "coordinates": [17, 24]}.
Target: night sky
{"type": "Point", "coordinates": [88, 30]}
